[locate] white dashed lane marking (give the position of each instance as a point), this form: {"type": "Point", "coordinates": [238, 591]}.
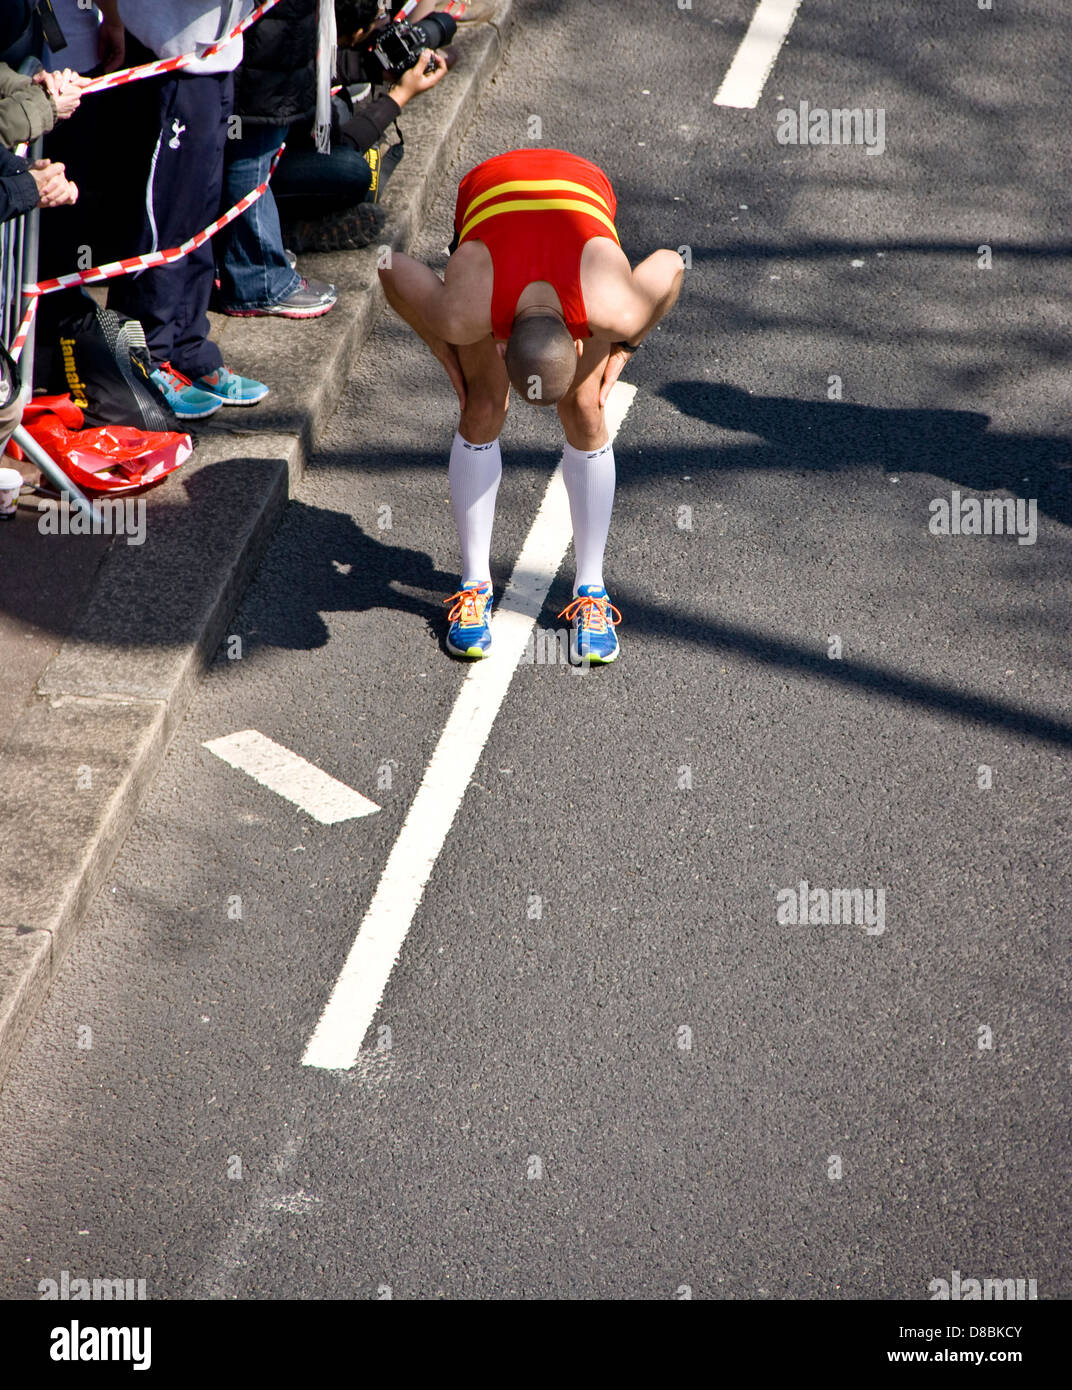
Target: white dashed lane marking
{"type": "Point", "coordinates": [759, 48]}
{"type": "Point", "coordinates": [283, 772]}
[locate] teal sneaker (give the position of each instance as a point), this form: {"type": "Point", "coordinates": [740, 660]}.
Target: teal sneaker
{"type": "Point", "coordinates": [469, 633]}
{"type": "Point", "coordinates": [186, 400]}
{"type": "Point", "coordinates": [593, 638]}
{"type": "Point", "coordinates": [231, 389]}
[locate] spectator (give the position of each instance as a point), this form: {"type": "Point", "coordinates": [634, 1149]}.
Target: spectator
{"type": "Point", "coordinates": [276, 84]}
{"type": "Point", "coordinates": [20, 32]}
{"type": "Point", "coordinates": [31, 106]}
{"type": "Point", "coordinates": [24, 186]}
{"type": "Point", "coordinates": [186, 113]}
{"type": "Point", "coordinates": [10, 400]}
{"type": "Point", "coordinates": [86, 144]}
{"type": "Point", "coordinates": [94, 34]}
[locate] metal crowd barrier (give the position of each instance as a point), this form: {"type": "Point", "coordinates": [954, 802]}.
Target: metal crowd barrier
{"type": "Point", "coordinates": [18, 267]}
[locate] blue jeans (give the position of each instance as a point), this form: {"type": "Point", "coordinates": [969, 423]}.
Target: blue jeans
{"type": "Point", "coordinates": [254, 272]}
{"type": "Point", "coordinates": [310, 185]}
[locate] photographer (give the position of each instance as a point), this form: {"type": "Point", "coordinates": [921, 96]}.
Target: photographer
{"type": "Point", "coordinates": [322, 195]}
{"type": "Point", "coordinates": [320, 187]}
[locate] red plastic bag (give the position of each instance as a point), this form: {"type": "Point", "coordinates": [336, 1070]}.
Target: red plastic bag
{"type": "Point", "coordinates": [110, 458]}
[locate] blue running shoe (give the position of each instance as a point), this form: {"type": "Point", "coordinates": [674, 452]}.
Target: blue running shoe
{"type": "Point", "coordinates": [469, 633]}
{"type": "Point", "coordinates": [593, 637]}
{"type": "Point", "coordinates": [186, 400]}
{"type": "Point", "coordinates": [231, 389]}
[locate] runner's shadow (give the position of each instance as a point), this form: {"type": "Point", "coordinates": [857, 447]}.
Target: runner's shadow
{"type": "Point", "coordinates": [322, 562]}
{"type": "Point", "coordinates": [834, 435]}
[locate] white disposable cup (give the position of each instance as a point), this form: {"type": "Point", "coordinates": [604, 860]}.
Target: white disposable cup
{"type": "Point", "coordinates": [10, 483]}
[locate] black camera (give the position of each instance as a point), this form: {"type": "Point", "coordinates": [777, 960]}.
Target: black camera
{"type": "Point", "coordinates": [395, 46]}
{"type": "Point", "coordinates": [399, 48]}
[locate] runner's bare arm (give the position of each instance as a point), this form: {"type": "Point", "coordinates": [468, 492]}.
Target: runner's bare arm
{"type": "Point", "coordinates": [627, 308]}
{"type": "Point", "coordinates": [438, 311]}
{"type": "Point", "coordinates": [419, 297]}
{"type": "Point", "coordinates": [403, 281]}
{"type": "Point", "coordinates": [632, 307]}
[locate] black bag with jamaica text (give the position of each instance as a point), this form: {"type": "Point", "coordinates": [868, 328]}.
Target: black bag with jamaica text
{"type": "Point", "coordinates": [101, 360]}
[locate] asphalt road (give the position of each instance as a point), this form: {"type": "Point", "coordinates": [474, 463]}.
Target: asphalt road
{"type": "Point", "coordinates": [653, 1083]}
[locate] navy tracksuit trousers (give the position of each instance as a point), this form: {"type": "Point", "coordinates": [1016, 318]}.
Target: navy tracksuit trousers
{"type": "Point", "coordinates": [188, 114]}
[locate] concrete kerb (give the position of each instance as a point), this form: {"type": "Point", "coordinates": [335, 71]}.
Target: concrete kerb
{"type": "Point", "coordinates": [88, 746]}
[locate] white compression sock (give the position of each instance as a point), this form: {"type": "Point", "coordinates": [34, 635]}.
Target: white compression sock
{"type": "Point", "coordinates": [589, 479]}
{"type": "Point", "coordinates": [475, 470]}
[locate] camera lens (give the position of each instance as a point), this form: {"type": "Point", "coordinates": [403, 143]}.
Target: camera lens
{"type": "Point", "coordinates": [435, 30]}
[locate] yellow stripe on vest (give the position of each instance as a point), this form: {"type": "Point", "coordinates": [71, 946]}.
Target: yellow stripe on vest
{"type": "Point", "coordinates": [536, 186]}
{"type": "Point", "coordinates": [536, 205]}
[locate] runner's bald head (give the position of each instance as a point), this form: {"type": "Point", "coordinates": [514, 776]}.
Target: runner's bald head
{"type": "Point", "coordinates": [541, 358]}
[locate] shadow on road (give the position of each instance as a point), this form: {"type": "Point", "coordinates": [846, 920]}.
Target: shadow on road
{"type": "Point", "coordinates": [832, 435]}
{"type": "Point", "coordinates": [321, 562]}
{"type": "Point", "coordinates": [325, 563]}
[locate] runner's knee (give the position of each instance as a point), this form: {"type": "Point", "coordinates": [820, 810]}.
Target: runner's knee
{"type": "Point", "coordinates": [582, 419]}
{"type": "Point", "coordinates": [483, 417]}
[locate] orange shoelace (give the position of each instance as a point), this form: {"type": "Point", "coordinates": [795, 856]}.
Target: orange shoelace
{"type": "Point", "coordinates": [592, 612]}
{"type": "Point", "coordinates": [469, 605]}
{"type": "Point", "coordinates": [174, 374]}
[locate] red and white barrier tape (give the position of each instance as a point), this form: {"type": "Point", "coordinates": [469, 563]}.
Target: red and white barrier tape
{"type": "Point", "coordinates": [125, 75]}
{"type": "Point", "coordinates": [112, 270]}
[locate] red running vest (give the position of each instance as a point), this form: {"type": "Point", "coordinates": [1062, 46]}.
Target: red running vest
{"type": "Point", "coordinates": [535, 210]}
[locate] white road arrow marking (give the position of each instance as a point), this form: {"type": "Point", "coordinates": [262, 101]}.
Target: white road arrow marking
{"type": "Point", "coordinates": [337, 1040]}
{"type": "Point", "coordinates": [759, 48]}
{"type": "Point", "coordinates": [283, 772]}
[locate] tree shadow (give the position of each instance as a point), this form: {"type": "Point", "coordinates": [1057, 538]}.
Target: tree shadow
{"type": "Point", "coordinates": [933, 697]}
{"type": "Point", "coordinates": [835, 435]}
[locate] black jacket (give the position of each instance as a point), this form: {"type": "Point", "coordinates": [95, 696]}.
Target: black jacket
{"type": "Point", "coordinates": [276, 83]}
{"type": "Point", "coordinates": [19, 31]}
{"type": "Point", "coordinates": [367, 123]}
{"type": "Point", "coordinates": [18, 189]}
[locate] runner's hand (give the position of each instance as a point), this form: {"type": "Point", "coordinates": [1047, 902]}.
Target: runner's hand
{"type": "Point", "coordinates": [611, 372]}
{"type": "Point", "coordinates": [447, 354]}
